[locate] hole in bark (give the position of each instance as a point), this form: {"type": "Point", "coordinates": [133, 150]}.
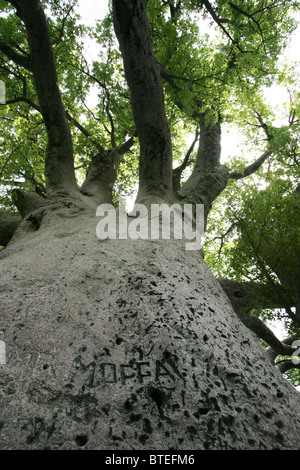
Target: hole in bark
{"type": "Point", "coordinates": [157, 396]}
{"type": "Point", "coordinates": [81, 440]}
{"type": "Point", "coordinates": [128, 405]}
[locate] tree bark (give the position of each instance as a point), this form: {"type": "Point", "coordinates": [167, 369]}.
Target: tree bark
{"type": "Point", "coordinates": [126, 343]}
{"type": "Point", "coordinates": [59, 161]}
{"type": "Point", "coordinates": [8, 226]}
{"type": "Point", "coordinates": [244, 297]}
{"type": "Point", "coordinates": [209, 177]}
{"type": "Point", "coordinates": [147, 99]}
{"type": "Point", "coordinates": [129, 344]}
{"type": "Point", "coordinates": [102, 173]}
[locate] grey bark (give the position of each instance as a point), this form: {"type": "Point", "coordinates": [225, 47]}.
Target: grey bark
{"type": "Point", "coordinates": [8, 226]}
{"type": "Point", "coordinates": [244, 297]}
{"type": "Point", "coordinates": [144, 81]}
{"type": "Point", "coordinates": [59, 161]}
{"type": "Point", "coordinates": [209, 177]}
{"type": "Point", "coordinates": [129, 344]}
{"type": "Point", "coordinates": [102, 173]}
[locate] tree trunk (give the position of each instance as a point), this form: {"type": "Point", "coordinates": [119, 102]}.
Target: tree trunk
{"type": "Point", "coordinates": [129, 344]}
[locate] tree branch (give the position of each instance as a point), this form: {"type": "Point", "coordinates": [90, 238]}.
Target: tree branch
{"type": "Point", "coordinates": [101, 176]}
{"type": "Point", "coordinates": [123, 148]}
{"type": "Point", "coordinates": [84, 131]}
{"type": "Point", "coordinates": [8, 226]}
{"type": "Point", "coordinates": [273, 354]}
{"type": "Point", "coordinates": [61, 32]}
{"type": "Point", "coordinates": [219, 22]}
{"type": "Point", "coordinates": [59, 161]}
{"type": "Point", "coordinates": [16, 57]}
{"type": "Point", "coordinates": [147, 99]}
{"type": "Point", "coordinates": [286, 365]}
{"type": "Point", "coordinates": [246, 296]}
{"type": "Point", "coordinates": [102, 173]}
{"type": "Point", "coordinates": [252, 168]}
{"type": "Point", "coordinates": [251, 17]}
{"type": "Point", "coordinates": [209, 177]}
{"type": "Point", "coordinates": [250, 295]}
{"type": "Point", "coordinates": [23, 99]}
{"type": "Point", "coordinates": [177, 172]}
{"type": "Point", "coordinates": [27, 202]}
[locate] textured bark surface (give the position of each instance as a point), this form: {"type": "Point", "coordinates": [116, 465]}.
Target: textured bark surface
{"type": "Point", "coordinates": [59, 163]}
{"type": "Point", "coordinates": [122, 344]}
{"type": "Point", "coordinates": [147, 100]}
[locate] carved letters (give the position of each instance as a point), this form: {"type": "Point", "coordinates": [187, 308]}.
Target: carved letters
{"type": "Point", "coordinates": [96, 375]}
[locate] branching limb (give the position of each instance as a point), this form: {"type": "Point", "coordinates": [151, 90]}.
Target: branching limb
{"type": "Point", "coordinates": [27, 202]}
{"type": "Point", "coordinates": [102, 173]}
{"type": "Point", "coordinates": [250, 17]}
{"type": "Point", "coordinates": [287, 365]}
{"type": "Point", "coordinates": [209, 177]}
{"type": "Point", "coordinates": [59, 161]}
{"type": "Point", "coordinates": [250, 295]}
{"type": "Point", "coordinates": [246, 296]}
{"type": "Point", "coordinates": [23, 99]}
{"type": "Point", "coordinates": [147, 99]}
{"type": "Point", "coordinates": [220, 22]}
{"type": "Point", "coordinates": [123, 148]}
{"type": "Point", "coordinates": [16, 57]}
{"type": "Point", "coordinates": [8, 226]}
{"type": "Point", "coordinates": [84, 131]}
{"type": "Point", "coordinates": [272, 353]}
{"type": "Point", "coordinates": [177, 172]}
{"type": "Point", "coordinates": [252, 168]}
{"type": "Point", "coordinates": [63, 24]}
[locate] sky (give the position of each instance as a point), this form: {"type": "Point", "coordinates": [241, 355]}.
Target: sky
{"type": "Point", "coordinates": [91, 10]}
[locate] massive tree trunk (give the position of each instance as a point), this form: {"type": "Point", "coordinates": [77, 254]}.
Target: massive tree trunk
{"type": "Point", "coordinates": [129, 344]}
{"type": "Point", "coordinates": [122, 343]}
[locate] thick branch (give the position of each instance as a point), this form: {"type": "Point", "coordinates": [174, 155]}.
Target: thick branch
{"type": "Point", "coordinates": [123, 148]}
{"type": "Point", "coordinates": [102, 173]}
{"type": "Point", "coordinates": [286, 365]}
{"type": "Point", "coordinates": [8, 226]}
{"type": "Point", "coordinates": [23, 99]}
{"type": "Point", "coordinates": [144, 81]}
{"type": "Point", "coordinates": [272, 354]}
{"type": "Point", "coordinates": [27, 202]}
{"type": "Point", "coordinates": [208, 178]}
{"type": "Point", "coordinates": [101, 176]}
{"type": "Point", "coordinates": [59, 164]}
{"type": "Point", "coordinates": [16, 57]}
{"type": "Point", "coordinates": [177, 172]}
{"type": "Point", "coordinates": [252, 168]}
{"type": "Point", "coordinates": [249, 295]}
{"type": "Point", "coordinates": [246, 296]}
